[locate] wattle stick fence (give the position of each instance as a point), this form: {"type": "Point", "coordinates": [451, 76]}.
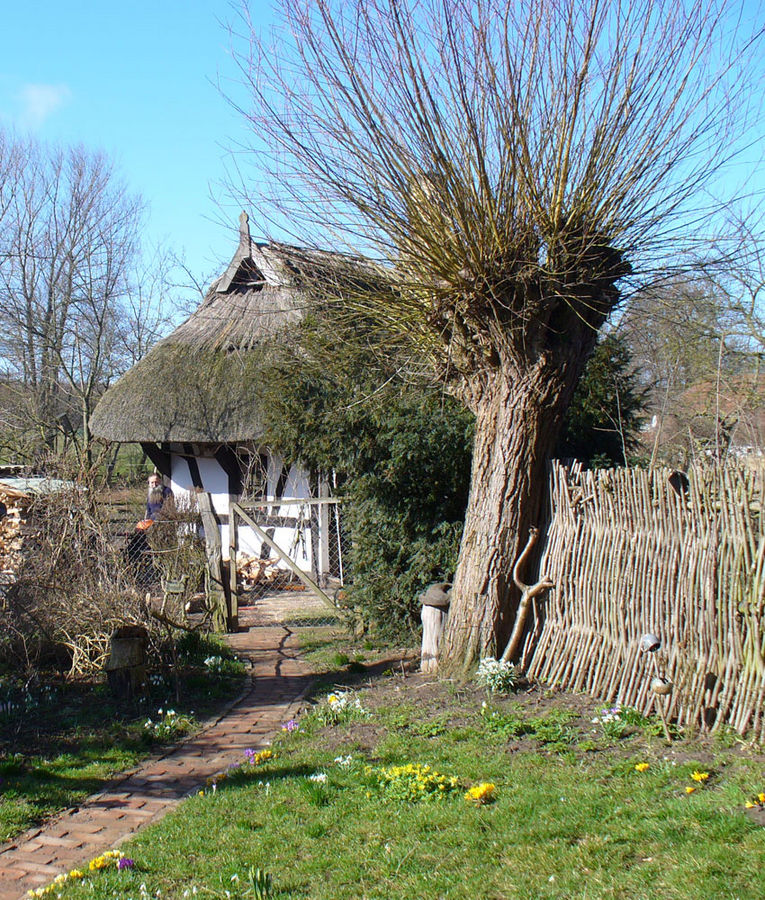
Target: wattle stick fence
{"type": "Point", "coordinates": [635, 551]}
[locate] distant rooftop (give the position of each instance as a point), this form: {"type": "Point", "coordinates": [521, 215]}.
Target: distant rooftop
{"type": "Point", "coordinates": [35, 484]}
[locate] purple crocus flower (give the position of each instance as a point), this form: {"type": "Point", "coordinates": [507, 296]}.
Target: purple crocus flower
{"type": "Point", "coordinates": [125, 863]}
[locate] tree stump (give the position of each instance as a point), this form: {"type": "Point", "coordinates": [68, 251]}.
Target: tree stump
{"type": "Point", "coordinates": [435, 609]}
{"type": "Point", "coordinates": [126, 666]}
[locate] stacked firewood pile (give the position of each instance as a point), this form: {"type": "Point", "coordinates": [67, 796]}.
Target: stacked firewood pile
{"type": "Point", "coordinates": [15, 504]}
{"type": "Point", "coordinates": [261, 572]}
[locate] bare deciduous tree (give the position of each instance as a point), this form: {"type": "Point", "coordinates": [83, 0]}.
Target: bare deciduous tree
{"type": "Point", "coordinates": [74, 306]}
{"type": "Point", "coordinates": [684, 335]}
{"type": "Point", "coordinates": [741, 284]}
{"type": "Point", "coordinates": [509, 165]}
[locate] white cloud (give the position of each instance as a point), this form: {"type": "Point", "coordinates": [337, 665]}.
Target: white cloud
{"type": "Point", "coordinates": [39, 101]}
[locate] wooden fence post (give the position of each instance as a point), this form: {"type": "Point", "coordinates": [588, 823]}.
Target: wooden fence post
{"type": "Point", "coordinates": [215, 580]}
{"type": "Point", "coordinates": [233, 549]}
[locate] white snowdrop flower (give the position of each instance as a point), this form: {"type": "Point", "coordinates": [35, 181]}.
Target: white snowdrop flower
{"type": "Point", "coordinates": [496, 675]}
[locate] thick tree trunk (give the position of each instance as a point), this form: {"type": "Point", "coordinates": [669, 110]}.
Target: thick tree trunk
{"type": "Point", "coordinates": [518, 417]}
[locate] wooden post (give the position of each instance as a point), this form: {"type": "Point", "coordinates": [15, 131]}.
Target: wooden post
{"type": "Point", "coordinates": [126, 666]}
{"type": "Point", "coordinates": [433, 623]}
{"type": "Point", "coordinates": [317, 572]}
{"type": "Point", "coordinates": [435, 609]}
{"type": "Point", "coordinates": [324, 529]}
{"type": "Point", "coordinates": [233, 549]}
{"type": "Point", "coordinates": [215, 583]}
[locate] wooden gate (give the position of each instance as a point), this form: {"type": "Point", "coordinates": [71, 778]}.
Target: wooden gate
{"type": "Point", "coordinates": [287, 546]}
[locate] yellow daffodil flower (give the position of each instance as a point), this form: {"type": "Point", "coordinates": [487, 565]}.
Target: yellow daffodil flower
{"type": "Point", "coordinates": [481, 793]}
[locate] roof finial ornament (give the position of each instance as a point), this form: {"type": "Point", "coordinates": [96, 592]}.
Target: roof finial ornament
{"type": "Point", "coordinates": [244, 230]}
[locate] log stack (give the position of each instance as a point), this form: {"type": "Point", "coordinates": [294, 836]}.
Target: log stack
{"type": "Point", "coordinates": [15, 505]}
{"type": "Point", "coordinates": [251, 571]}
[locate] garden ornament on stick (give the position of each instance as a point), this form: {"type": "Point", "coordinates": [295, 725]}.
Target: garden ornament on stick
{"type": "Point", "coordinates": [661, 686]}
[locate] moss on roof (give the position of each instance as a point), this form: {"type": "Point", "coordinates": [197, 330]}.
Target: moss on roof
{"type": "Point", "coordinates": [182, 393]}
{"type": "Point", "coordinates": [199, 384]}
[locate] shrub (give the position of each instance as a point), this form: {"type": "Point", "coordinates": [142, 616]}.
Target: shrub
{"type": "Point", "coordinates": [407, 495]}
{"type": "Point", "coordinates": [73, 587]}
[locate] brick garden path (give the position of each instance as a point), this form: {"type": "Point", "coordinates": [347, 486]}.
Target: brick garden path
{"type": "Point", "coordinates": [279, 679]}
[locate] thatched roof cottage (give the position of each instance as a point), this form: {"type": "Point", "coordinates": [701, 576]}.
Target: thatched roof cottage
{"type": "Point", "coordinates": [190, 401]}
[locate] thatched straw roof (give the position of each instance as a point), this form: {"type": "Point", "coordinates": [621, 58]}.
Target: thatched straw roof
{"type": "Point", "coordinates": [196, 385]}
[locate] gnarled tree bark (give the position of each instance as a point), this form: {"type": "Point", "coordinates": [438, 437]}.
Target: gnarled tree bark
{"type": "Point", "coordinates": [519, 413]}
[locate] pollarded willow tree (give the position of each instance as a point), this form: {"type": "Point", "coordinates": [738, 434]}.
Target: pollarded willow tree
{"type": "Point", "coordinates": [509, 165]}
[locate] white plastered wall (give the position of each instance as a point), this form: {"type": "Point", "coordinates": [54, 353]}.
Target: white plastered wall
{"type": "Point", "coordinates": [295, 542]}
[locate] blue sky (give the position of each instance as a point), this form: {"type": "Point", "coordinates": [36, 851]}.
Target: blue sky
{"type": "Point", "coordinates": [136, 80]}
{"type": "Point", "coordinates": [139, 81]}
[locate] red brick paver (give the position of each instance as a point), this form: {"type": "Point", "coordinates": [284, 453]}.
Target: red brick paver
{"type": "Point", "coordinates": [277, 683]}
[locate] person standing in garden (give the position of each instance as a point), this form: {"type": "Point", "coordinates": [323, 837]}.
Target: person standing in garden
{"type": "Point", "coordinates": [156, 497]}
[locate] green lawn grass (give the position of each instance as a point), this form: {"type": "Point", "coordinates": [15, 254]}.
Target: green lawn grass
{"type": "Point", "coordinates": [572, 818]}
{"type": "Point", "coordinates": [35, 787]}
{"type": "Point", "coordinates": [68, 740]}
